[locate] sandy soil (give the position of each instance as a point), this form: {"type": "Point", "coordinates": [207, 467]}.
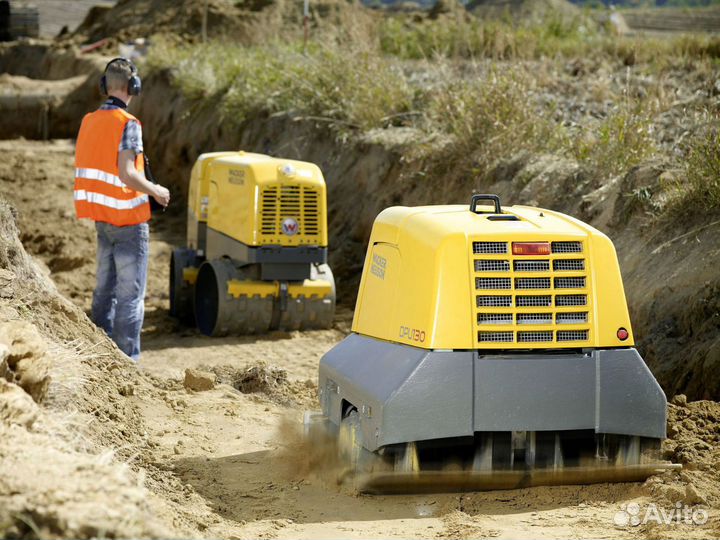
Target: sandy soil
{"type": "Point", "coordinates": [229, 464]}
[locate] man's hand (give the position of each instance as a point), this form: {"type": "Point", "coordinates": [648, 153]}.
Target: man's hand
{"type": "Point", "coordinates": [161, 195]}
{"type": "Point", "coordinates": [136, 180]}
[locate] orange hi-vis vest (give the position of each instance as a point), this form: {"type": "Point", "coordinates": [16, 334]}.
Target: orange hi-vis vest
{"type": "Point", "coordinates": [100, 195]}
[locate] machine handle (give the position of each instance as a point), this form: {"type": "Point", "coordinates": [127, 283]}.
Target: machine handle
{"type": "Point", "coordinates": [476, 198]}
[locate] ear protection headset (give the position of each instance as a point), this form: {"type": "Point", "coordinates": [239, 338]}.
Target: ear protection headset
{"type": "Point", "coordinates": [134, 85]}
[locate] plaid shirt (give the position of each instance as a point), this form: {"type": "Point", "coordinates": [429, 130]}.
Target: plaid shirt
{"type": "Point", "coordinates": [132, 135]}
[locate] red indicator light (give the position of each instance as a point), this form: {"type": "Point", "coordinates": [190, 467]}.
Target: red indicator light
{"type": "Point", "coordinates": [531, 248]}
{"type": "Point", "coordinates": [622, 334]}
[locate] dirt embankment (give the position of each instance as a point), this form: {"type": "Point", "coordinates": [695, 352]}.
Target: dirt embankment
{"type": "Point", "coordinates": [55, 465]}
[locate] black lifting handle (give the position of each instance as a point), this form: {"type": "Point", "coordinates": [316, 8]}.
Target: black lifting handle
{"type": "Point", "coordinates": [477, 198]}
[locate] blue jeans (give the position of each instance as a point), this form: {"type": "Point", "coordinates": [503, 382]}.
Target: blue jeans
{"type": "Point", "coordinates": [118, 305]}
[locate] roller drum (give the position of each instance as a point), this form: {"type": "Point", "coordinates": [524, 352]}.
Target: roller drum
{"type": "Point", "coordinates": [218, 313]}
{"type": "Point", "coordinates": [309, 313]}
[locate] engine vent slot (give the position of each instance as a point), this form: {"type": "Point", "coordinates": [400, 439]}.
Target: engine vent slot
{"type": "Point", "coordinates": [534, 318]}
{"type": "Point", "coordinates": [567, 247]}
{"type": "Point", "coordinates": [569, 282]}
{"type": "Point", "coordinates": [571, 318]}
{"type": "Point", "coordinates": [495, 318]}
{"type": "Point", "coordinates": [492, 248]}
{"type": "Point", "coordinates": [493, 283]}
{"type": "Point", "coordinates": [496, 337]}
{"type": "Point", "coordinates": [493, 301]}
{"type": "Point", "coordinates": [532, 266]}
{"type": "Point", "coordinates": [268, 211]}
{"type": "Point", "coordinates": [533, 301]}
{"type": "Point", "coordinates": [572, 335]}
{"type": "Point", "coordinates": [568, 265]}
{"type": "Point", "coordinates": [532, 283]}
{"type": "Point", "coordinates": [564, 300]}
{"type": "Point", "coordinates": [492, 266]}
{"type": "Point", "coordinates": [311, 211]}
{"type": "Point", "coordinates": [535, 337]}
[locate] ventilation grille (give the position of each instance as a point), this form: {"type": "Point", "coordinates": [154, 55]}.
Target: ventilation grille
{"type": "Point", "coordinates": [571, 318]}
{"type": "Point", "coordinates": [495, 318]}
{"type": "Point", "coordinates": [567, 247]}
{"type": "Point", "coordinates": [496, 337]}
{"type": "Point", "coordinates": [569, 282]}
{"type": "Point", "coordinates": [563, 265]}
{"type": "Point", "coordinates": [532, 266]}
{"type": "Point", "coordinates": [495, 248]}
{"type": "Point", "coordinates": [532, 283]}
{"type": "Point", "coordinates": [288, 201]}
{"type": "Point", "coordinates": [492, 266]}
{"type": "Point", "coordinates": [534, 318]}
{"type": "Point", "coordinates": [493, 301]}
{"type": "Point", "coordinates": [563, 300]}
{"type": "Point", "coordinates": [311, 211]}
{"type": "Point", "coordinates": [531, 301]}
{"type": "Point", "coordinates": [535, 337]}
{"type": "Point", "coordinates": [572, 335]}
{"type": "Point", "coordinates": [268, 211]}
{"type": "Point", "coordinates": [493, 283]}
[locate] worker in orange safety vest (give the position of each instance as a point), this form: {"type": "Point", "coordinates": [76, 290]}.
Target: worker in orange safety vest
{"type": "Point", "coordinates": [111, 189]}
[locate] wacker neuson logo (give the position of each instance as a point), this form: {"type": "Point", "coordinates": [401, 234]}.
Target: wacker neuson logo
{"type": "Point", "coordinates": [633, 515]}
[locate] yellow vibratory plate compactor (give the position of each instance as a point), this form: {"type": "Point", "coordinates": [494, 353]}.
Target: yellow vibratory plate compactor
{"type": "Point", "coordinates": [491, 348]}
{"type": "Point", "coordinates": [256, 253]}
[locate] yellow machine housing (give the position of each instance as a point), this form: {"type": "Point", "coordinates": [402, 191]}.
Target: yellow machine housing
{"type": "Point", "coordinates": [491, 347]}
{"type": "Point", "coordinates": [268, 216]}
{"type": "Point", "coordinates": [440, 277]}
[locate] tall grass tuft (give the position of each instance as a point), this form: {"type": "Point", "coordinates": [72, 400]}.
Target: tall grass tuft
{"type": "Point", "coordinates": [703, 171]}
{"type": "Point", "coordinates": [490, 117]}
{"type": "Point", "coordinates": [621, 141]}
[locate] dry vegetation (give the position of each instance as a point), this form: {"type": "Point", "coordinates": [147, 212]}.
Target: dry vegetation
{"type": "Point", "coordinates": [480, 90]}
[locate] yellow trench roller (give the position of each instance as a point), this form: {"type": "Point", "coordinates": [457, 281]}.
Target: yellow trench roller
{"type": "Point", "coordinates": [256, 254]}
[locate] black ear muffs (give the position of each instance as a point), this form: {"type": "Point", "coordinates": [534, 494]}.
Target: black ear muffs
{"type": "Point", "coordinates": [134, 85]}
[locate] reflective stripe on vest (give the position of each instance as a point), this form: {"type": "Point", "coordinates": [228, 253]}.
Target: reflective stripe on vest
{"type": "Point", "coordinates": [110, 202]}
{"type": "Point", "coordinates": [100, 195]}
{"type": "Point", "coordinates": [97, 174]}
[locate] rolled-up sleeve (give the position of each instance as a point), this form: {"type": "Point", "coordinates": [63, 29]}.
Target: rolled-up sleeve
{"type": "Point", "coordinates": [132, 138]}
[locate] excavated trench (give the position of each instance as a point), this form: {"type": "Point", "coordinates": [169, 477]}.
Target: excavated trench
{"type": "Point", "coordinates": [44, 92]}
